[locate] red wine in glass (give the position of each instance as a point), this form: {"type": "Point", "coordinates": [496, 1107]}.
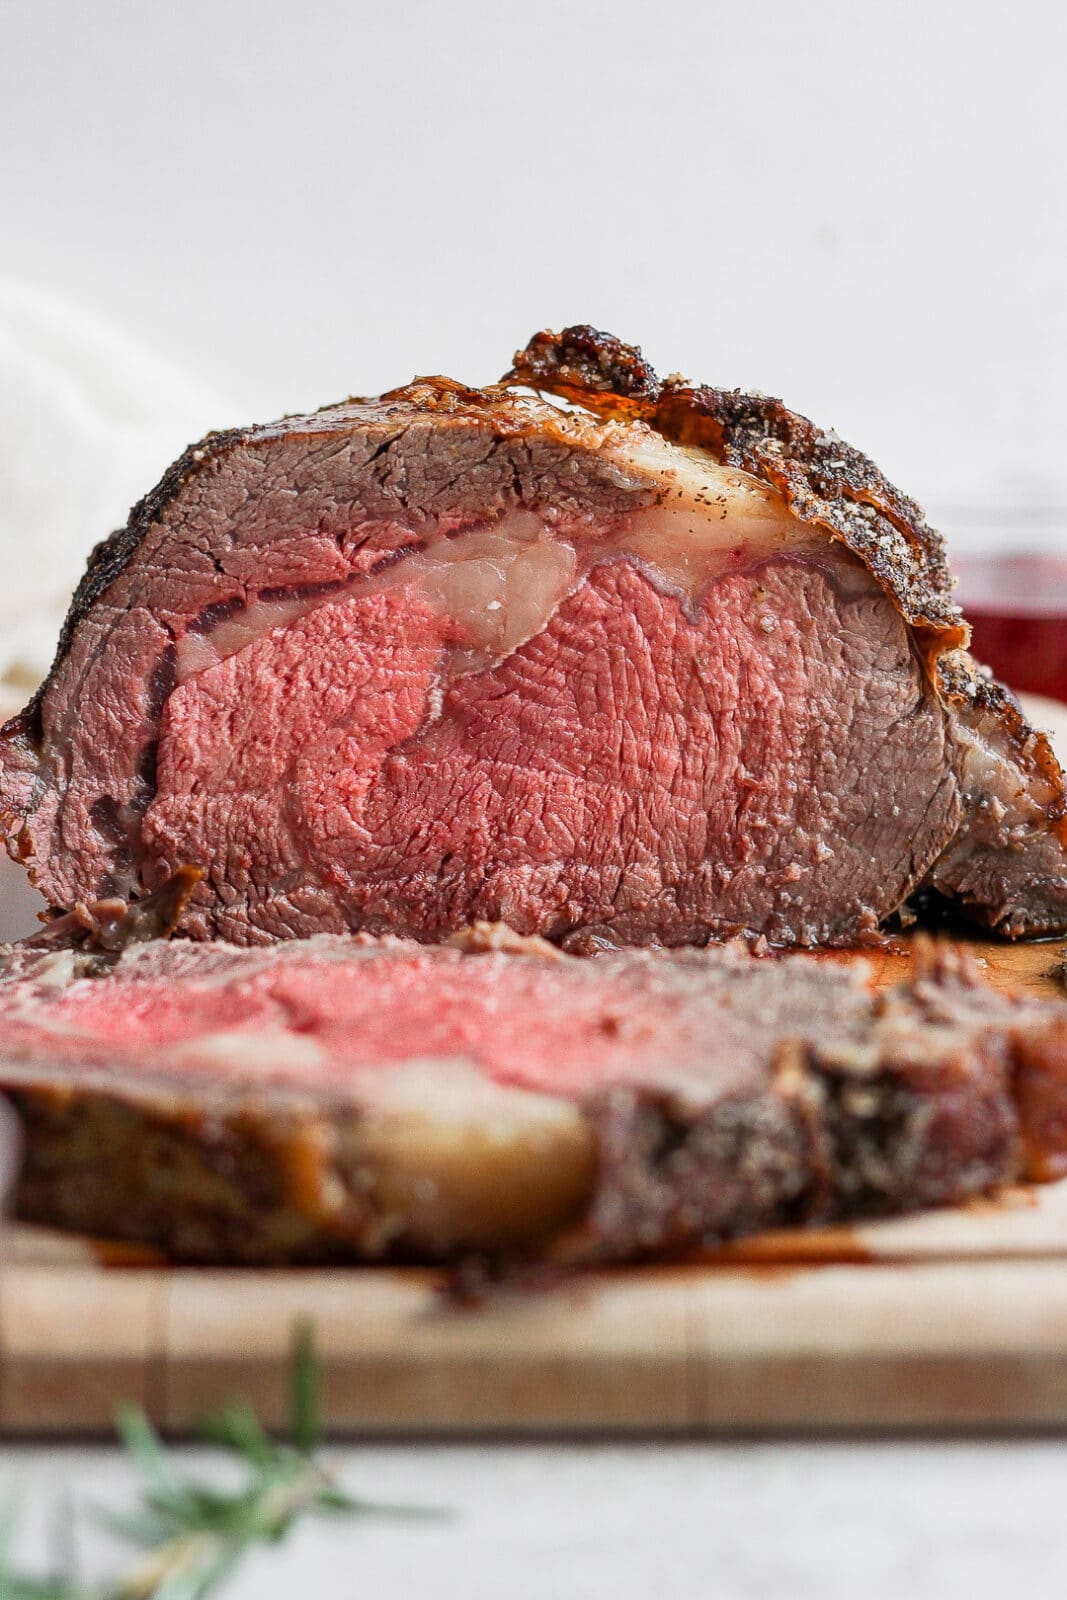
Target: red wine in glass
{"type": "Point", "coordinates": [1017, 606]}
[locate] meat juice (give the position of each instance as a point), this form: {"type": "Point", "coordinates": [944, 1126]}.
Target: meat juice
{"type": "Point", "coordinates": [1017, 606]}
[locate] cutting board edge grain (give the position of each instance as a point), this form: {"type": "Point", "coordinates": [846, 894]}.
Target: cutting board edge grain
{"type": "Point", "coordinates": [743, 1349]}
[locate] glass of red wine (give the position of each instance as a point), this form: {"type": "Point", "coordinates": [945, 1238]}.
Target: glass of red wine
{"type": "Point", "coordinates": [1016, 601]}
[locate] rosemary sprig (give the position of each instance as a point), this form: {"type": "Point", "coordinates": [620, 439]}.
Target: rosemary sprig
{"type": "Point", "coordinates": [190, 1536]}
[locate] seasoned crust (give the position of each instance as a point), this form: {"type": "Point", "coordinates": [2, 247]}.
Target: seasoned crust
{"type": "Point", "coordinates": [825, 481]}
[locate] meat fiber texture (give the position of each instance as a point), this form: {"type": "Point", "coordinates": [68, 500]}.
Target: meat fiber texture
{"type": "Point", "coordinates": [649, 663]}
{"type": "Point", "coordinates": [346, 1097]}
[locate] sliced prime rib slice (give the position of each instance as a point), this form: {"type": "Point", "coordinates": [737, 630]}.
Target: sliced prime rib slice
{"type": "Point", "coordinates": [662, 668]}
{"type": "Point", "coordinates": [351, 1097]}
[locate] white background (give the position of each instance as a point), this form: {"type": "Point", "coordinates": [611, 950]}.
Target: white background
{"type": "Point", "coordinates": [215, 212]}
{"type": "Point", "coordinates": [858, 206]}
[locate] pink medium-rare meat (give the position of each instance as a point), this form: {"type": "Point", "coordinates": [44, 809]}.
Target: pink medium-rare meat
{"type": "Point", "coordinates": [664, 668]}
{"type": "Point", "coordinates": [349, 1097]}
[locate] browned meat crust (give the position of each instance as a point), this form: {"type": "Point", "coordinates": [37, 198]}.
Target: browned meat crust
{"type": "Point", "coordinates": [825, 481]}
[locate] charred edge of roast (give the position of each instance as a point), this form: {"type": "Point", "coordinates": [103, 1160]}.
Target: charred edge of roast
{"type": "Point", "coordinates": [583, 361]}
{"type": "Point", "coordinates": [824, 480]}
{"type": "Point", "coordinates": [824, 1145]}
{"type": "Point", "coordinates": [238, 1184]}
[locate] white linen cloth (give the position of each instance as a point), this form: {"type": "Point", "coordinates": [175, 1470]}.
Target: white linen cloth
{"type": "Point", "coordinates": [88, 422]}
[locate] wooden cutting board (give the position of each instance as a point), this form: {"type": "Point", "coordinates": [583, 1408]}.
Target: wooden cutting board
{"type": "Point", "coordinates": [955, 1318]}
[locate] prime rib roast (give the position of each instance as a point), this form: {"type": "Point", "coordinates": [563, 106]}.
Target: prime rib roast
{"type": "Point", "coordinates": [408, 718]}
{"type": "Point", "coordinates": [653, 665]}
{"type": "Point", "coordinates": [352, 1097]}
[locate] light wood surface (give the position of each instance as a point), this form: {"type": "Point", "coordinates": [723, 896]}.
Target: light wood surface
{"type": "Point", "coordinates": [954, 1318]}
